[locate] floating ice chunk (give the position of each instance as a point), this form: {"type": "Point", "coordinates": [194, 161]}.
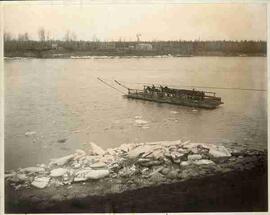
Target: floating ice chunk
{"type": "Point", "coordinates": [174, 112]}
{"type": "Point", "coordinates": [138, 117]}
{"type": "Point", "coordinates": [63, 140]}
{"type": "Point", "coordinates": [140, 122]}
{"type": "Point", "coordinates": [30, 133]}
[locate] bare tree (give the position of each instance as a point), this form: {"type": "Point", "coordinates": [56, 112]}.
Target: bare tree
{"type": "Point", "coordinates": [41, 34]}
{"type": "Point", "coordinates": [26, 36]}
{"type": "Point", "coordinates": [20, 37]}
{"type": "Point", "coordinates": [7, 36]}
{"type": "Point", "coordinates": [23, 37]}
{"type": "Point", "coordinates": [73, 36]}
{"type": "Point", "coordinates": [67, 36]}
{"type": "Point", "coordinates": [95, 38]}
{"type": "Point", "coordinates": [48, 36]}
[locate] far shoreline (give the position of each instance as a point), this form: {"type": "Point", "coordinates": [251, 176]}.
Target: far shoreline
{"type": "Point", "coordinates": [97, 56]}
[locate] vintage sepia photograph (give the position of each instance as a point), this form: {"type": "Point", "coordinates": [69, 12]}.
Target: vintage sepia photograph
{"type": "Point", "coordinates": [134, 107]}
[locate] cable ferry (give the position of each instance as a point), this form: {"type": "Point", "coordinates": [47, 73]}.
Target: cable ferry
{"type": "Point", "coordinates": [164, 94]}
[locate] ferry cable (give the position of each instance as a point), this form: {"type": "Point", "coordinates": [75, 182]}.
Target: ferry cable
{"type": "Point", "coordinates": [222, 88]}
{"type": "Point", "coordinates": [110, 86]}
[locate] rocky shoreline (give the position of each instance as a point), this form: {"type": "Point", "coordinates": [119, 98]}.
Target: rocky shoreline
{"type": "Point", "coordinates": [102, 180]}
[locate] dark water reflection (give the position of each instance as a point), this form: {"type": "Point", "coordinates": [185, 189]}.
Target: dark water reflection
{"type": "Point", "coordinates": [61, 98]}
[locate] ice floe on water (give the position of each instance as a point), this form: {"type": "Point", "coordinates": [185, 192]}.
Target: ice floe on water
{"type": "Point", "coordinates": [174, 112]}
{"type": "Point", "coordinates": [141, 122]}
{"type": "Point", "coordinates": [30, 133]}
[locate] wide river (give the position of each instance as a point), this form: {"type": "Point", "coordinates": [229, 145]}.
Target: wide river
{"type": "Point", "coordinates": [55, 106]}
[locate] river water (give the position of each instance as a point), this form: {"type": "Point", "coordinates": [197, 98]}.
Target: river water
{"type": "Point", "coordinates": [55, 106]}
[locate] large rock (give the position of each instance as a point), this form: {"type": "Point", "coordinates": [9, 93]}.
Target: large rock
{"type": "Point", "coordinates": [22, 177]}
{"type": "Point", "coordinates": [96, 149]}
{"type": "Point", "coordinates": [214, 150]}
{"type": "Point", "coordinates": [152, 163]}
{"type": "Point", "coordinates": [61, 161]}
{"type": "Point", "coordinates": [203, 162]}
{"type": "Point", "coordinates": [98, 165]}
{"type": "Point", "coordinates": [97, 174]}
{"type": "Point", "coordinates": [79, 154]}
{"type": "Point", "coordinates": [127, 171]}
{"type": "Point", "coordinates": [173, 174]}
{"type": "Point", "coordinates": [165, 143]}
{"type": "Point", "coordinates": [84, 175]}
{"type": "Point", "coordinates": [157, 177]}
{"type": "Point", "coordinates": [219, 151]}
{"type": "Point", "coordinates": [58, 172]}
{"type": "Point", "coordinates": [41, 182]}
{"type": "Point", "coordinates": [126, 147]}
{"type": "Point", "coordinates": [142, 151]}
{"type": "Point", "coordinates": [185, 163]}
{"type": "Point", "coordinates": [194, 157]}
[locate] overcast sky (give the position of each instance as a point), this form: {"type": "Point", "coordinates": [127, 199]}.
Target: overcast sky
{"type": "Point", "coordinates": [152, 21]}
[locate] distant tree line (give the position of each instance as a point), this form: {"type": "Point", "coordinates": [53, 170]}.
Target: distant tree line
{"type": "Point", "coordinates": [24, 43]}
{"type": "Point", "coordinates": [165, 47]}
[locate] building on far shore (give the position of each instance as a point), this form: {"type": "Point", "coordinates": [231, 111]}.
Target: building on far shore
{"type": "Point", "coordinates": [107, 45]}
{"type": "Point", "coordinates": [144, 46]}
{"type": "Point", "coordinates": [54, 46]}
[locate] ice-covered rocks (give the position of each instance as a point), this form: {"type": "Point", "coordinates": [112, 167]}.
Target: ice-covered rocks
{"type": "Point", "coordinates": [184, 163]}
{"type": "Point", "coordinates": [33, 170]}
{"type": "Point", "coordinates": [58, 172]}
{"type": "Point", "coordinates": [84, 175]}
{"type": "Point", "coordinates": [140, 151]}
{"type": "Point", "coordinates": [61, 161]}
{"type": "Point", "coordinates": [219, 151]}
{"type": "Point", "coordinates": [98, 165]}
{"type": "Point", "coordinates": [96, 150]}
{"type": "Point", "coordinates": [22, 177]}
{"type": "Point", "coordinates": [194, 157]}
{"type": "Point", "coordinates": [203, 162]}
{"type": "Point", "coordinates": [40, 182]}
{"type": "Point", "coordinates": [151, 162]}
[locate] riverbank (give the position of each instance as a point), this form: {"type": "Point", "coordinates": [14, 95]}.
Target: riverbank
{"type": "Point", "coordinates": [168, 176]}
{"type": "Point", "coordinates": [119, 54]}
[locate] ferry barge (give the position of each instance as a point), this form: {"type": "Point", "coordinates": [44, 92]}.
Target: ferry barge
{"type": "Point", "coordinates": [164, 94]}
